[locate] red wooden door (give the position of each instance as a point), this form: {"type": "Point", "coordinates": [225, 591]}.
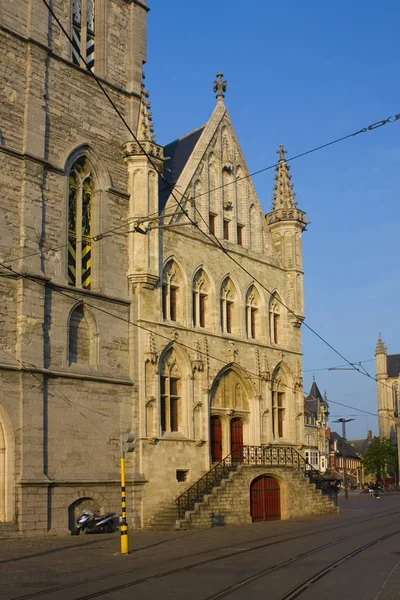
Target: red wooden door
{"type": "Point", "coordinates": [265, 499]}
{"type": "Point", "coordinates": [216, 439]}
{"type": "Point", "coordinates": [237, 439]}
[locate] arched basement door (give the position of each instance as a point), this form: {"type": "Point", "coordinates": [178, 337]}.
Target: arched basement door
{"type": "Point", "coordinates": [265, 499]}
{"type": "Point", "coordinates": [216, 439]}
{"type": "Point", "coordinates": [237, 439]}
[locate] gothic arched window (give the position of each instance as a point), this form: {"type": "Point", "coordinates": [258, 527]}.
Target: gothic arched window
{"type": "Point", "coordinates": [278, 403]}
{"type": "Point", "coordinates": [228, 297]}
{"type": "Point", "coordinates": [171, 289]}
{"type": "Point", "coordinates": [199, 298]}
{"type": "Point", "coordinates": [81, 337]}
{"type": "Point", "coordinates": [275, 320]}
{"type": "Point", "coordinates": [396, 399]}
{"type": "Point", "coordinates": [252, 313]}
{"type": "Point", "coordinates": [83, 32]}
{"type": "Point", "coordinates": [80, 224]}
{"type": "Point", "coordinates": [170, 393]}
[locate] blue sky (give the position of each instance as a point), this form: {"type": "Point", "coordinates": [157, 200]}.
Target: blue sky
{"type": "Point", "coordinates": [302, 74]}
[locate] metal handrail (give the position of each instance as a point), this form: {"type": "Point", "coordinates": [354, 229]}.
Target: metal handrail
{"type": "Point", "coordinates": [252, 455]}
{"type": "Point", "coordinates": [205, 484]}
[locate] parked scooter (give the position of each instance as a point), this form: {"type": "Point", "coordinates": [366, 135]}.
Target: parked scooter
{"type": "Point", "coordinates": [88, 522]}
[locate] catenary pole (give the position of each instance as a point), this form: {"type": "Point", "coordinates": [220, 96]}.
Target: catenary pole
{"type": "Point", "coordinates": [343, 421]}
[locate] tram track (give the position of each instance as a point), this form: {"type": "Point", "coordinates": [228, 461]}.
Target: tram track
{"type": "Point", "coordinates": [209, 559]}
{"type": "Point", "coordinates": [307, 583]}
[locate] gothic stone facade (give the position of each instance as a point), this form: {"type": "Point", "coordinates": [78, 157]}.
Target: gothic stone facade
{"type": "Point", "coordinates": [387, 389]}
{"type": "Point", "coordinates": [117, 313]}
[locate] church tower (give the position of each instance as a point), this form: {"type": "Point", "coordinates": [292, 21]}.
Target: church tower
{"type": "Point", "coordinates": [286, 223]}
{"type": "Point", "coordinates": [386, 390]}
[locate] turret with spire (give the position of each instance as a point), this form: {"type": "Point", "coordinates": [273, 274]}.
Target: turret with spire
{"type": "Point", "coordinates": [284, 207]}
{"type": "Point", "coordinates": [144, 159]}
{"type": "Point", "coordinates": [287, 222]}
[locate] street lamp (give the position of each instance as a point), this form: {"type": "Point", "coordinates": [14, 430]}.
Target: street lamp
{"type": "Point", "coordinates": [343, 421]}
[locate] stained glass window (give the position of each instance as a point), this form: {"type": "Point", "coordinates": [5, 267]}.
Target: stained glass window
{"type": "Point", "coordinates": [80, 225]}
{"type": "Point", "coordinates": [83, 32]}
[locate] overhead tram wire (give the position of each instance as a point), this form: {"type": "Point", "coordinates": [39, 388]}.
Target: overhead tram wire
{"type": "Point", "coordinates": [214, 240]}
{"type": "Point", "coordinates": [356, 362]}
{"type": "Point", "coordinates": [168, 184]}
{"type": "Point", "coordinates": [129, 322]}
{"type": "Point", "coordinates": [371, 127]}
{"type": "Point", "coordinates": [27, 368]}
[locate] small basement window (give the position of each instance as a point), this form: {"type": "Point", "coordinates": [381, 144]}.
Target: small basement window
{"type": "Point", "coordinates": [182, 475]}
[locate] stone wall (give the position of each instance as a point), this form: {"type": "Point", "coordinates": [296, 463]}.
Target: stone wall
{"type": "Point", "coordinates": [231, 502]}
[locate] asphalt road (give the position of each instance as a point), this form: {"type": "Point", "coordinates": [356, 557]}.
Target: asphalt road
{"type": "Point", "coordinates": [355, 554]}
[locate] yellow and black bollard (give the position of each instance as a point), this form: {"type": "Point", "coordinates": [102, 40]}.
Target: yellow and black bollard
{"type": "Point", "coordinates": [124, 526]}
{"type": "Point", "coordinates": [127, 445]}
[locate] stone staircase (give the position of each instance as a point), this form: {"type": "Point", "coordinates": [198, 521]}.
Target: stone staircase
{"type": "Point", "coordinates": [229, 503]}
{"type": "Point", "coordinates": [222, 496]}
{"type": "Point", "coordinates": [165, 520]}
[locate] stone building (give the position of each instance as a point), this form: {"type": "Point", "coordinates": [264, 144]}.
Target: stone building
{"type": "Point", "coordinates": [387, 390]}
{"type": "Point", "coordinates": [125, 307]}
{"type": "Point", "coordinates": [316, 432]}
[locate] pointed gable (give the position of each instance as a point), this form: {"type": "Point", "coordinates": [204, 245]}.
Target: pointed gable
{"type": "Point", "coordinates": [208, 171]}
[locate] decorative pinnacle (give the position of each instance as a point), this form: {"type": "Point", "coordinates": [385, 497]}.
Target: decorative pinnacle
{"type": "Point", "coordinates": [220, 87]}
{"type": "Point", "coordinates": [281, 152]}
{"type": "Point", "coordinates": [145, 125]}
{"type": "Point", "coordinates": [283, 196]}
{"type": "Point", "coordinates": [380, 346]}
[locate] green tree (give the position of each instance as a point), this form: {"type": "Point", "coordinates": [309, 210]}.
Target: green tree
{"type": "Point", "coordinates": [381, 458]}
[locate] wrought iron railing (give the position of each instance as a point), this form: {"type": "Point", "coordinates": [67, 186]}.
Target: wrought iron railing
{"type": "Point", "coordinates": [272, 456]}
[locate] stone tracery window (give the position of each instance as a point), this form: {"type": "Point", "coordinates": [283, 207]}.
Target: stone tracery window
{"type": "Point", "coordinates": [171, 292]}
{"type": "Point", "coordinates": [252, 313]}
{"type": "Point", "coordinates": [170, 393]}
{"type": "Point", "coordinates": [227, 308]}
{"type": "Point", "coordinates": [200, 294]}
{"type": "Point", "coordinates": [83, 32]}
{"type": "Point", "coordinates": [278, 403]}
{"type": "Point", "coordinates": [80, 224]}
{"type": "Point", "coordinates": [275, 320]}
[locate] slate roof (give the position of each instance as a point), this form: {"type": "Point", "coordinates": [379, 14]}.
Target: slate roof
{"type": "Point", "coordinates": [178, 153]}
{"type": "Point", "coordinates": [308, 410]}
{"type": "Point", "coordinates": [315, 392]}
{"type": "Point", "coordinates": [361, 446]}
{"type": "Point", "coordinates": [312, 404]}
{"type": "Point", "coordinates": [349, 449]}
{"type": "Point", "coordinates": [393, 365]}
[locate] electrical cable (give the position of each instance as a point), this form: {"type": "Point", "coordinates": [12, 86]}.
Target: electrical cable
{"type": "Point", "coordinates": [356, 362]}
{"type": "Point", "coordinates": [27, 369]}
{"type": "Point", "coordinates": [249, 373]}
{"type": "Point", "coordinates": [214, 240]}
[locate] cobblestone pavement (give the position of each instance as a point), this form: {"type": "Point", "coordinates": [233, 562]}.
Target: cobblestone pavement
{"type": "Point", "coordinates": [32, 564]}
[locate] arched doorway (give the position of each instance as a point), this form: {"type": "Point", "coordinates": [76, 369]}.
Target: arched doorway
{"type": "Point", "coordinates": [237, 439]}
{"type": "Point", "coordinates": [265, 499]}
{"type": "Point", "coordinates": [80, 506]}
{"type": "Point", "coordinates": [216, 439]}
{"type": "Point", "coordinates": [230, 395]}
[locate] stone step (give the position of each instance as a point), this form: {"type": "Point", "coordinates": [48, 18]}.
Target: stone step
{"type": "Point", "coordinates": [9, 530]}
